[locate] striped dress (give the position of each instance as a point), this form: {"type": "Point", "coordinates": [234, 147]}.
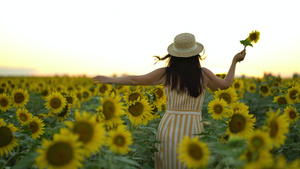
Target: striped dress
{"type": "Point", "coordinates": [183, 117]}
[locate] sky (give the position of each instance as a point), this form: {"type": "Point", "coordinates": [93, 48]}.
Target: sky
{"type": "Point", "coordinates": [62, 37]}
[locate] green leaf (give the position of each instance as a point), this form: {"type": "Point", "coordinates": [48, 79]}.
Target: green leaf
{"type": "Point", "coordinates": [126, 160]}
{"type": "Point", "coordinates": [26, 162]}
{"type": "Point", "coordinates": [246, 43]}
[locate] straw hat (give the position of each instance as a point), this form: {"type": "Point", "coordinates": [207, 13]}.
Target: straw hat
{"type": "Point", "coordinates": [185, 46]}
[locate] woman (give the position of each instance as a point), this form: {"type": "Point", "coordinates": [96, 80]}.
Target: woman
{"type": "Point", "coordinates": [185, 82]}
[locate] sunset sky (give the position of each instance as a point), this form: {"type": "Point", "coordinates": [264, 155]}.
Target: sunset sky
{"type": "Point", "coordinates": [60, 37]}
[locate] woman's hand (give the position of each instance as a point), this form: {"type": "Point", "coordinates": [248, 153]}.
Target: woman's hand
{"type": "Point", "coordinates": [240, 56]}
{"type": "Point", "coordinates": [101, 79]}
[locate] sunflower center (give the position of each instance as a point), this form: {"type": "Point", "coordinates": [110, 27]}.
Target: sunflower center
{"type": "Point", "coordinates": [226, 97]}
{"type": "Point", "coordinates": [63, 112]}
{"type": "Point", "coordinates": [136, 109]}
{"type": "Point", "coordinates": [19, 97]}
{"type": "Point", "coordinates": [264, 89]}
{"type": "Point", "coordinates": [257, 142]}
{"type": "Point", "coordinates": [3, 102]}
{"type": "Point", "coordinates": [85, 94]}
{"type": "Point", "coordinates": [282, 101]}
{"type": "Point", "coordinates": [23, 117]}
{"type": "Point", "coordinates": [119, 140]}
{"type": "Point", "coordinates": [2, 90]}
{"type": "Point", "coordinates": [252, 88]}
{"type": "Point", "coordinates": [33, 126]}
{"type": "Point", "coordinates": [103, 88]}
{"type": "Point", "coordinates": [237, 123]}
{"type": "Point", "coordinates": [293, 94]}
{"type": "Point", "coordinates": [274, 129]}
{"type": "Point", "coordinates": [292, 114]}
{"type": "Point", "coordinates": [70, 89]}
{"type": "Point", "coordinates": [195, 151]}
{"type": "Point", "coordinates": [5, 136]}
{"type": "Point", "coordinates": [55, 103]}
{"type": "Point", "coordinates": [133, 96]}
{"type": "Point", "coordinates": [85, 131]}
{"type": "Point", "coordinates": [237, 85]}
{"type": "Point", "coordinates": [218, 109]}
{"type": "Point", "coordinates": [108, 109]}
{"type": "Point", "coordinates": [45, 93]}
{"type": "Point", "coordinates": [60, 154]}
{"type": "Point", "coordinates": [154, 111]}
{"type": "Point", "coordinates": [159, 93]}
{"type": "Point", "coordinates": [253, 36]}
{"type": "Point", "coordinates": [69, 99]}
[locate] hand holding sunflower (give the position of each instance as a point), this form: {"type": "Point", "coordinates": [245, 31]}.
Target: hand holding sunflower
{"type": "Point", "coordinates": [252, 38]}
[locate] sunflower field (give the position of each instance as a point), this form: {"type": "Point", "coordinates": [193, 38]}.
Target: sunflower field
{"type": "Point", "coordinates": [69, 122]}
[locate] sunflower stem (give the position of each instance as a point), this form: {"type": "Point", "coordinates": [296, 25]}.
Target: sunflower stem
{"type": "Point", "coordinates": [6, 162]}
{"type": "Point", "coordinates": [225, 161]}
{"type": "Point", "coordinates": [111, 160]}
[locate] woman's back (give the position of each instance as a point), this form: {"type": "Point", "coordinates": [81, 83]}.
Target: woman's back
{"type": "Point", "coordinates": [183, 101]}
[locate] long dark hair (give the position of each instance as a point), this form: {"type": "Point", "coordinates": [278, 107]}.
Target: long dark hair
{"type": "Point", "coordinates": [184, 74]}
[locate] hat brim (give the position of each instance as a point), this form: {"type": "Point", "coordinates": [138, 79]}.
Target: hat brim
{"type": "Point", "coordinates": [198, 50]}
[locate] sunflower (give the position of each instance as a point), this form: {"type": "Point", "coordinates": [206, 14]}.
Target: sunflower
{"type": "Point", "coordinates": [93, 90]}
{"type": "Point", "coordinates": [60, 88]}
{"type": "Point", "coordinates": [193, 153]}
{"type": "Point", "coordinates": [281, 162]}
{"type": "Point", "coordinates": [42, 115]}
{"type": "Point", "coordinates": [36, 126]}
{"type": "Point", "coordinates": [239, 106]}
{"type": "Point", "coordinates": [23, 116]}
{"type": "Point", "coordinates": [8, 141]}
{"type": "Point", "coordinates": [277, 126]}
{"type": "Point", "coordinates": [294, 164]}
{"type": "Point", "coordinates": [291, 114]}
{"type": "Point", "coordinates": [55, 102]}
{"type": "Point", "coordinates": [91, 133]}
{"type": "Point", "coordinates": [20, 97]}
{"type": "Point", "coordinates": [72, 99]}
{"type": "Point", "coordinates": [238, 85]}
{"type": "Point", "coordinates": [280, 100]}
{"type": "Point", "coordinates": [86, 94]}
{"type": "Point", "coordinates": [254, 36]}
{"type": "Point", "coordinates": [155, 112]}
{"type": "Point", "coordinates": [251, 88]}
{"type": "Point", "coordinates": [64, 152]}
{"type": "Point", "coordinates": [139, 112]}
{"type": "Point", "coordinates": [5, 102]}
{"type": "Point", "coordinates": [259, 140]}
{"type": "Point", "coordinates": [292, 94]}
{"type": "Point", "coordinates": [133, 95]}
{"type": "Point", "coordinates": [110, 110]}
{"type": "Point", "coordinates": [118, 140]}
{"type": "Point", "coordinates": [3, 90]}
{"type": "Point", "coordinates": [64, 113]}
{"type": "Point", "coordinates": [229, 95]}
{"type": "Point", "coordinates": [103, 88]}
{"type": "Point", "coordinates": [45, 92]}
{"type": "Point", "coordinates": [264, 90]}
{"type": "Point", "coordinates": [257, 159]}
{"type": "Point", "coordinates": [123, 88]}
{"type": "Point", "coordinates": [240, 123]}
{"type": "Point", "coordinates": [160, 96]}
{"type": "Point", "coordinates": [218, 108]}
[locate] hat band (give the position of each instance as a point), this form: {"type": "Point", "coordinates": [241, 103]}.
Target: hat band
{"type": "Point", "coordinates": [185, 50]}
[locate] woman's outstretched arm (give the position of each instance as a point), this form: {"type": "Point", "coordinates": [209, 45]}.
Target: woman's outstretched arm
{"type": "Point", "coordinates": [153, 78]}
{"type": "Point", "coordinates": [215, 83]}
